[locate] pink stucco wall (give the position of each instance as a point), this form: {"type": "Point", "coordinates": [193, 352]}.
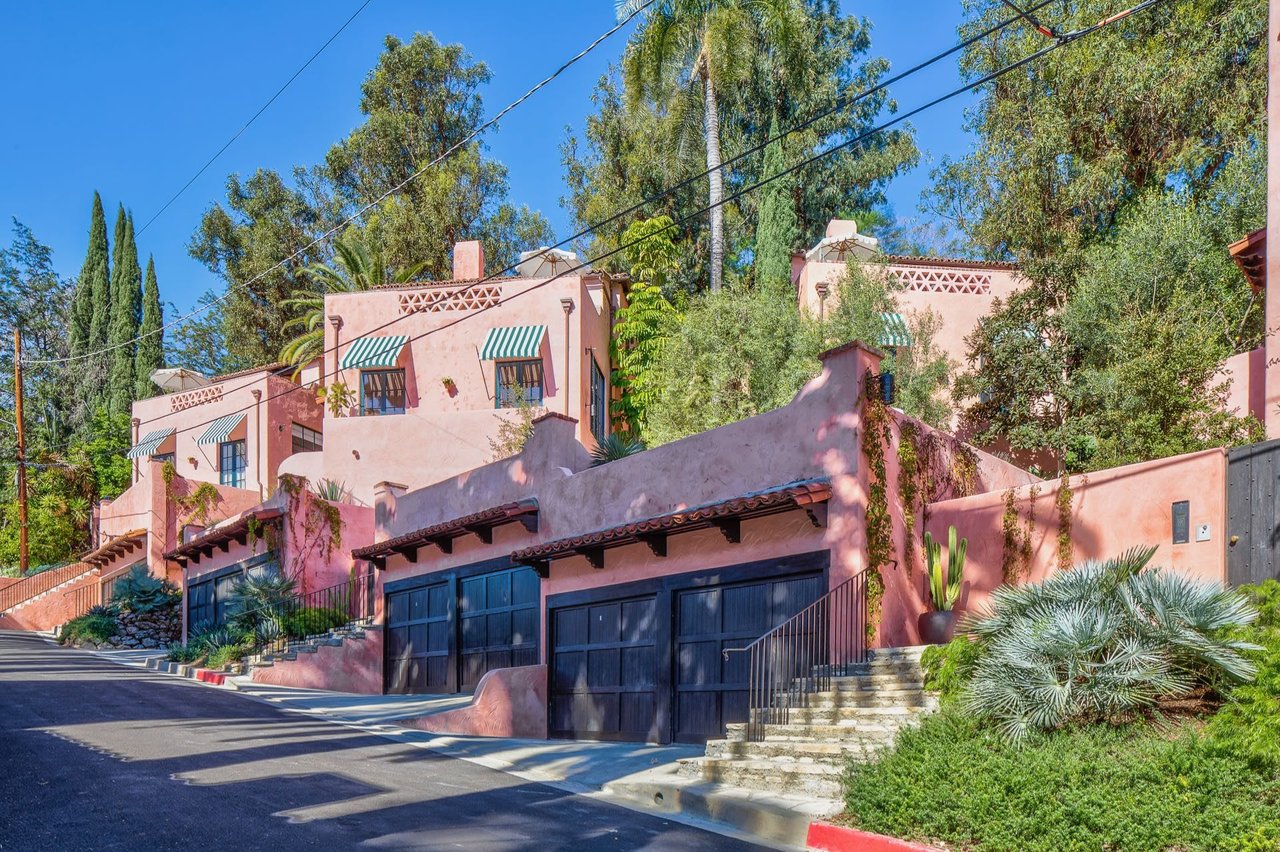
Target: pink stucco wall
{"type": "Point", "coordinates": [56, 607]}
{"type": "Point", "coordinates": [1245, 374]}
{"type": "Point", "coordinates": [444, 432]}
{"type": "Point", "coordinates": [1111, 511]}
{"type": "Point", "coordinates": [267, 428]}
{"type": "Point", "coordinates": [354, 666]}
{"type": "Point", "coordinates": [924, 284]}
{"type": "Point", "coordinates": [1271, 403]}
{"type": "Point", "coordinates": [507, 703]}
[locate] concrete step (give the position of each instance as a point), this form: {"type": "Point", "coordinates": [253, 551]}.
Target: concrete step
{"type": "Point", "coordinates": [797, 750]}
{"type": "Point", "coordinates": [872, 698]}
{"type": "Point", "coordinates": [820, 780]}
{"type": "Point", "coordinates": [848, 732]}
{"type": "Point", "coordinates": [884, 681]}
{"type": "Point", "coordinates": [853, 715]}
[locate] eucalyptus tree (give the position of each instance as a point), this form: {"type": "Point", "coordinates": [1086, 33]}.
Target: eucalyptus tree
{"type": "Point", "coordinates": [689, 56]}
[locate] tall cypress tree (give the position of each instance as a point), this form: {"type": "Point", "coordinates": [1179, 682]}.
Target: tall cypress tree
{"type": "Point", "coordinates": [86, 374]}
{"type": "Point", "coordinates": [150, 355]}
{"type": "Point", "coordinates": [100, 326]}
{"type": "Point", "coordinates": [776, 230]}
{"type": "Point", "coordinates": [126, 316]}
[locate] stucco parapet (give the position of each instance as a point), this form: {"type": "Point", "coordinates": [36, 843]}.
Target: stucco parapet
{"type": "Point", "coordinates": [849, 347]}
{"type": "Point", "coordinates": [554, 415]}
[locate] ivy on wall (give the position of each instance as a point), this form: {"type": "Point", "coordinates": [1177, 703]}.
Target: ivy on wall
{"type": "Point", "coordinates": [1063, 502]}
{"type": "Point", "coordinates": [195, 505]}
{"type": "Point", "coordinates": [1015, 559]}
{"type": "Point", "coordinates": [876, 437]}
{"type": "Point", "coordinates": [321, 521]}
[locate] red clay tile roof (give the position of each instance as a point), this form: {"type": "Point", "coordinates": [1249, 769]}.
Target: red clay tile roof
{"type": "Point", "coordinates": [126, 543]}
{"type": "Point", "coordinates": [223, 533]}
{"type": "Point", "coordinates": [277, 368]}
{"type": "Point", "coordinates": [769, 501]}
{"type": "Point", "coordinates": [449, 530]}
{"type": "Point", "coordinates": [957, 262]}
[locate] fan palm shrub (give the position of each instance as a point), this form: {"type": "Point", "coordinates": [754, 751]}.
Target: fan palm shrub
{"type": "Point", "coordinates": [139, 591]}
{"type": "Point", "coordinates": [615, 446]}
{"type": "Point", "coordinates": [1103, 642]}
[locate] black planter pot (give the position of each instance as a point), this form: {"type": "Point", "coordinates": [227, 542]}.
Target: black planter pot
{"type": "Point", "coordinates": [937, 628]}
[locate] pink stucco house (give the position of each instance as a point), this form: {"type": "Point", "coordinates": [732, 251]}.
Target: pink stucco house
{"type": "Point", "coordinates": [433, 368]}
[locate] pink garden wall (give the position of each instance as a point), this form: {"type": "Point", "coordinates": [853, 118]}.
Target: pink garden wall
{"type": "Point", "coordinates": [1110, 511]}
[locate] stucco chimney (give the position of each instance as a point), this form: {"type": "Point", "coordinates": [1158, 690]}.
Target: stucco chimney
{"type": "Point", "coordinates": [384, 508]}
{"type": "Point", "coordinates": [468, 260]}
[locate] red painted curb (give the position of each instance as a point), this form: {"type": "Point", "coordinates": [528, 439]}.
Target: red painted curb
{"type": "Point", "coordinates": [208, 676]}
{"type": "Point", "coordinates": [825, 837]}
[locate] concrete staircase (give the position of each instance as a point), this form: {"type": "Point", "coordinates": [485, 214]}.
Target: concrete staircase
{"type": "Point", "coordinates": [335, 638]}
{"type": "Point", "coordinates": [854, 720]}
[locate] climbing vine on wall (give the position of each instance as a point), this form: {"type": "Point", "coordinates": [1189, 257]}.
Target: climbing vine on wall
{"type": "Point", "coordinates": [911, 469]}
{"type": "Point", "coordinates": [1064, 523]}
{"type": "Point", "coordinates": [932, 466]}
{"type": "Point", "coordinates": [875, 441]}
{"type": "Point", "coordinates": [1015, 559]}
{"type": "Point", "coordinates": [321, 520]}
{"type": "Point", "coordinates": [196, 504]}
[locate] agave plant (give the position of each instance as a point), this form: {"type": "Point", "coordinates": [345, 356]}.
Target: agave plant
{"type": "Point", "coordinates": [944, 589]}
{"type": "Point", "coordinates": [1102, 642]}
{"type": "Point", "coordinates": [615, 446]}
{"type": "Point", "coordinates": [331, 490]}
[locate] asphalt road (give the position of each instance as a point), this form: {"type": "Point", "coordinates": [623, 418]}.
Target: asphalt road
{"type": "Point", "coordinates": [97, 756]}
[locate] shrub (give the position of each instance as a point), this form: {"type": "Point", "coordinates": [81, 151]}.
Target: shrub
{"type": "Point", "coordinates": [261, 592]}
{"type": "Point", "coordinates": [1266, 598]}
{"type": "Point", "coordinates": [180, 653]}
{"type": "Point", "coordinates": [1248, 724]}
{"type": "Point", "coordinates": [220, 656]}
{"type": "Point", "coordinates": [1102, 642]}
{"type": "Point", "coordinates": [948, 668]}
{"type": "Point", "coordinates": [313, 620]}
{"type": "Point", "coordinates": [138, 591]}
{"type": "Point", "coordinates": [615, 446]}
{"type": "Point", "coordinates": [1131, 788]}
{"type": "Point", "coordinates": [96, 628]}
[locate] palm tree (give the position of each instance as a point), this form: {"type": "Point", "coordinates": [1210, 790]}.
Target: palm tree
{"type": "Point", "coordinates": [356, 267]}
{"type": "Point", "coordinates": [699, 49]}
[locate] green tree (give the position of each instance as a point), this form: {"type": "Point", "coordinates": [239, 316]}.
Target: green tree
{"type": "Point", "coordinates": [688, 56]}
{"type": "Point", "coordinates": [200, 342]}
{"type": "Point", "coordinates": [150, 351]}
{"type": "Point", "coordinates": [776, 231]}
{"type": "Point", "coordinates": [88, 316]}
{"type": "Point", "coordinates": [420, 101]}
{"type": "Point", "coordinates": [356, 267]}
{"type": "Point", "coordinates": [643, 325]}
{"type": "Point", "coordinates": [126, 317]}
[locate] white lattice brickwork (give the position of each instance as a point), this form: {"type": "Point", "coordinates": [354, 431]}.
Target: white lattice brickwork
{"type": "Point", "coordinates": [192, 398]}
{"type": "Point", "coordinates": [926, 279]}
{"type": "Point", "coordinates": [469, 298]}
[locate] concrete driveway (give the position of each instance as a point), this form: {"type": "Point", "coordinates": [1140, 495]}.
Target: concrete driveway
{"type": "Point", "coordinates": [98, 756]}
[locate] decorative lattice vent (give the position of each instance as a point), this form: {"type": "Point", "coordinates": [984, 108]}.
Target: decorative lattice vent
{"type": "Point", "coordinates": [925, 279]}
{"type": "Point", "coordinates": [192, 398]}
{"type": "Point", "coordinates": [450, 299]}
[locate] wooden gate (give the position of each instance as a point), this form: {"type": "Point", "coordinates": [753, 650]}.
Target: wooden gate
{"type": "Point", "coordinates": [1253, 513]}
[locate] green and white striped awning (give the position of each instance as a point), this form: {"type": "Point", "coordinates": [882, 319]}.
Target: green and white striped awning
{"type": "Point", "coordinates": [515, 341]}
{"type": "Point", "coordinates": [221, 429]}
{"type": "Point", "coordinates": [148, 445]}
{"type": "Point", "coordinates": [373, 352]}
{"type": "Point", "coordinates": [895, 332]}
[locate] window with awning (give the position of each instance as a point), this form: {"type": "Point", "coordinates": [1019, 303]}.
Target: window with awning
{"type": "Point", "coordinates": [372, 353]}
{"type": "Point", "coordinates": [220, 430]}
{"type": "Point", "coordinates": [149, 444]}
{"type": "Point", "coordinates": [895, 334]}
{"type": "Point", "coordinates": [521, 342]}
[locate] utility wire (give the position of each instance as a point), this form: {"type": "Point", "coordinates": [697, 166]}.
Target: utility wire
{"type": "Point", "coordinates": [367, 207]}
{"type": "Point", "coordinates": [254, 117]}
{"type": "Point", "coordinates": [840, 103]}
{"type": "Point", "coordinates": [1062, 41]}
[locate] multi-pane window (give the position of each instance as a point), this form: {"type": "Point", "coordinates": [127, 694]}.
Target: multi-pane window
{"type": "Point", "coordinates": [599, 402]}
{"type": "Point", "coordinates": [516, 379]}
{"type": "Point", "coordinates": [381, 392]}
{"type": "Point", "coordinates": [306, 440]}
{"type": "Point", "coordinates": [232, 461]}
{"type": "Point", "coordinates": [164, 457]}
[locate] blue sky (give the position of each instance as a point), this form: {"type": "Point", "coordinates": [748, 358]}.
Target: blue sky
{"type": "Point", "coordinates": [131, 98]}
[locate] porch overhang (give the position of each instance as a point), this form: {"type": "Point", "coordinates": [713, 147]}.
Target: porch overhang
{"type": "Point", "coordinates": [121, 545]}
{"type": "Point", "coordinates": [220, 537]}
{"type": "Point", "coordinates": [220, 430]}
{"type": "Point", "coordinates": [1250, 254]}
{"type": "Point", "coordinates": [149, 444]}
{"type": "Point", "coordinates": [809, 495]}
{"type": "Point", "coordinates": [480, 524]}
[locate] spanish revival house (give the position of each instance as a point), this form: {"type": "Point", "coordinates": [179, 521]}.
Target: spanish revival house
{"type": "Point", "coordinates": [442, 364]}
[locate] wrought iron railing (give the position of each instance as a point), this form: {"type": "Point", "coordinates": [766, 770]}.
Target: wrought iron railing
{"type": "Point", "coordinates": [80, 599]}
{"type": "Point", "coordinates": [799, 657]}
{"type": "Point", "coordinates": [278, 625]}
{"type": "Point", "coordinates": [37, 584]}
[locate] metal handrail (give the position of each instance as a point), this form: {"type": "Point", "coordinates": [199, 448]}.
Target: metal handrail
{"type": "Point", "coordinates": [799, 657]}
{"type": "Point", "coordinates": [35, 585]}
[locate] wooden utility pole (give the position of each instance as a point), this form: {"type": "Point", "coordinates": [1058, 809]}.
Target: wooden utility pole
{"type": "Point", "coordinates": [23, 558]}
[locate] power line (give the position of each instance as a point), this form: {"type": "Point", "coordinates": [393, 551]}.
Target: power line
{"type": "Point", "coordinates": [840, 103]}
{"type": "Point", "coordinates": [367, 207]}
{"type": "Point", "coordinates": [1062, 41]}
{"type": "Point", "coordinates": [254, 117]}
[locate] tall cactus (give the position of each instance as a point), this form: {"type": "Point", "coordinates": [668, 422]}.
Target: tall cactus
{"type": "Point", "coordinates": [945, 588]}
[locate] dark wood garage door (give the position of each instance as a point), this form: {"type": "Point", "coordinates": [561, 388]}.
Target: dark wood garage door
{"type": "Point", "coordinates": [711, 691]}
{"type": "Point", "coordinates": [604, 671]}
{"type": "Point", "coordinates": [1253, 513]}
{"type": "Point", "coordinates": [418, 640]}
{"type": "Point", "coordinates": [499, 616]}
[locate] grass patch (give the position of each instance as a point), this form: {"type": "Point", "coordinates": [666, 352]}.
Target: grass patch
{"type": "Point", "coordinates": [93, 627]}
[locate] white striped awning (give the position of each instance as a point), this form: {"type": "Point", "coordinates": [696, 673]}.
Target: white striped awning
{"type": "Point", "coordinates": [895, 332]}
{"type": "Point", "coordinates": [221, 429]}
{"type": "Point", "coordinates": [372, 352]}
{"type": "Point", "coordinates": [515, 341]}
{"type": "Point", "coordinates": [148, 445]}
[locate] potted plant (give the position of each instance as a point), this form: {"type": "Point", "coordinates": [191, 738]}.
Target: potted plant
{"type": "Point", "coordinates": [939, 625]}
{"type": "Point", "coordinates": [449, 386]}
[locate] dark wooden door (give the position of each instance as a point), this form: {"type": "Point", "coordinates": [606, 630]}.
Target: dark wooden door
{"type": "Point", "coordinates": [710, 690]}
{"type": "Point", "coordinates": [1253, 513]}
{"type": "Point", "coordinates": [499, 623]}
{"type": "Point", "coordinates": [604, 671]}
{"type": "Point", "coordinates": [419, 640]}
